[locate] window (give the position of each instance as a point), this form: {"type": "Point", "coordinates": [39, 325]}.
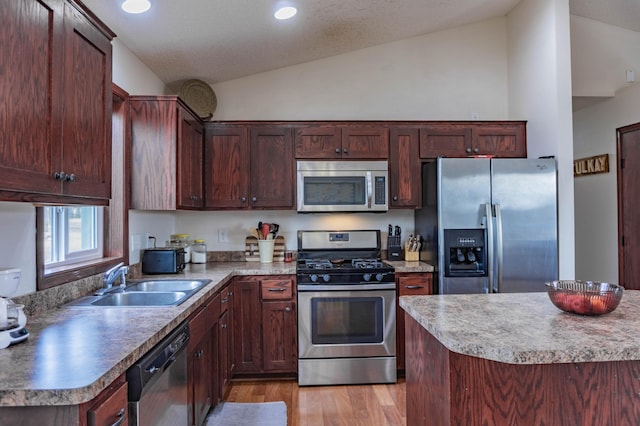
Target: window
{"type": "Point", "coordinates": [72, 234]}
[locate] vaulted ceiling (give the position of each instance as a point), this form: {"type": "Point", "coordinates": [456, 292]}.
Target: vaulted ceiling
{"type": "Point", "coordinates": [220, 40]}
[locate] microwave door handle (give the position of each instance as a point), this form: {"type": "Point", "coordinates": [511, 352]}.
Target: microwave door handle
{"type": "Point", "coordinates": [369, 188]}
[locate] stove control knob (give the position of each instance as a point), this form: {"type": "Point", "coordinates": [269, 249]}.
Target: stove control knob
{"type": "Point", "coordinates": [313, 278]}
{"type": "Point", "coordinates": [379, 277]}
{"type": "Point", "coordinates": [326, 278]}
{"type": "Point", "coordinates": [367, 277]}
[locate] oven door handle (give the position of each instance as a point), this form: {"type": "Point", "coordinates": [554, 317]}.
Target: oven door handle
{"type": "Point", "coordinates": [346, 287]}
{"type": "Point", "coordinates": [369, 189]}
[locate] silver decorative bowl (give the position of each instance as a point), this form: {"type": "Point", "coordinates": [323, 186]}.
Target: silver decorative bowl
{"type": "Point", "coordinates": [584, 297]}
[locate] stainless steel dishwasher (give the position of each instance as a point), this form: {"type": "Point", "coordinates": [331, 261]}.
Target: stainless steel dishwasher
{"type": "Point", "coordinates": [158, 383]}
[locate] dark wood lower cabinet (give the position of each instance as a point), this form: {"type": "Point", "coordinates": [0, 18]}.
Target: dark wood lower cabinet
{"type": "Point", "coordinates": [107, 409]}
{"type": "Point", "coordinates": [265, 325]}
{"type": "Point", "coordinates": [209, 362]}
{"type": "Point", "coordinates": [279, 336]}
{"type": "Point", "coordinates": [247, 325]}
{"type": "Point", "coordinates": [200, 360]}
{"type": "Point", "coordinates": [408, 284]}
{"type": "Point", "coordinates": [222, 340]}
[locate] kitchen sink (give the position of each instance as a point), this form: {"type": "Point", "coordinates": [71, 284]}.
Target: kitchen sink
{"type": "Point", "coordinates": [167, 285]}
{"type": "Point", "coordinates": [164, 298]}
{"type": "Point", "coordinates": [146, 293]}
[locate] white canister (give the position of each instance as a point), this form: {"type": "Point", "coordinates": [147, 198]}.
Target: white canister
{"type": "Point", "coordinates": [199, 252]}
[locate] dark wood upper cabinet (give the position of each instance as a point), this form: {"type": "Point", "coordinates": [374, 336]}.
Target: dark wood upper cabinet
{"type": "Point", "coordinates": [448, 140]}
{"type": "Point", "coordinates": [166, 168]}
{"type": "Point", "coordinates": [345, 142]}
{"type": "Point", "coordinates": [404, 168]}
{"type": "Point", "coordinates": [55, 132]}
{"type": "Point", "coordinates": [226, 167]}
{"type": "Point", "coordinates": [465, 139]}
{"type": "Point", "coordinates": [190, 161]}
{"type": "Point", "coordinates": [322, 141]}
{"type": "Point", "coordinates": [365, 142]}
{"type": "Point", "coordinates": [249, 166]}
{"type": "Point", "coordinates": [272, 167]}
{"type": "Point", "coordinates": [500, 140]}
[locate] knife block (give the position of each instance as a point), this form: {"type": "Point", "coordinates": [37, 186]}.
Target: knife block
{"type": "Point", "coordinates": [411, 256]}
{"type": "Point", "coordinates": [394, 248]}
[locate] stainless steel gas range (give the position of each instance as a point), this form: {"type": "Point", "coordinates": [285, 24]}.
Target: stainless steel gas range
{"type": "Point", "coordinates": [346, 309]}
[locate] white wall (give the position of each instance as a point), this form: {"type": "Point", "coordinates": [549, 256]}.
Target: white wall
{"type": "Point", "coordinates": [132, 75]}
{"type": "Point", "coordinates": [540, 92]}
{"type": "Point", "coordinates": [596, 195]}
{"type": "Point", "coordinates": [18, 248]}
{"type": "Point", "coordinates": [604, 52]}
{"type": "Point", "coordinates": [441, 76]}
{"type": "Point", "coordinates": [205, 225]}
{"type": "Point", "coordinates": [600, 56]}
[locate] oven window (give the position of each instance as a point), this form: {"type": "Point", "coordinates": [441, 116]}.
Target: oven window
{"type": "Point", "coordinates": [343, 320]}
{"type": "Point", "coordinates": [334, 190]}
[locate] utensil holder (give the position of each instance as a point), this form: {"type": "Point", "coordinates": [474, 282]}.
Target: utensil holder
{"type": "Point", "coordinates": [265, 247]}
{"type": "Point", "coordinates": [394, 248]}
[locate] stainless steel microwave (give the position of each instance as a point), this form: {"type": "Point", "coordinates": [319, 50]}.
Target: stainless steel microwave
{"type": "Point", "coordinates": [343, 186]}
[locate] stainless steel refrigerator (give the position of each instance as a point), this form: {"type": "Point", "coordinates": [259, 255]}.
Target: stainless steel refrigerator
{"type": "Point", "coordinates": [490, 225]}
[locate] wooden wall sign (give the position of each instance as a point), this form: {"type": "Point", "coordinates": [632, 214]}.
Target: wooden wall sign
{"type": "Point", "coordinates": [591, 165]}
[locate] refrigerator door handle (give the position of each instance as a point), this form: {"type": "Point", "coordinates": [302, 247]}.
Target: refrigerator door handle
{"type": "Point", "coordinates": [499, 246]}
{"type": "Point", "coordinates": [489, 225]}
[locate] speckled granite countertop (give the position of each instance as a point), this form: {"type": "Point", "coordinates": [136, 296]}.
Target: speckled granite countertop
{"type": "Point", "coordinates": [413, 266]}
{"type": "Point", "coordinates": [526, 328]}
{"type": "Point", "coordinates": [74, 353]}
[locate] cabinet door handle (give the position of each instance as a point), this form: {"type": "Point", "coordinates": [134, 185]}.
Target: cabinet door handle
{"type": "Point", "coordinates": [277, 289]}
{"type": "Point", "coordinates": [254, 199]}
{"type": "Point", "coordinates": [225, 300]}
{"type": "Point", "coordinates": [223, 325]}
{"type": "Point", "coordinates": [476, 150]}
{"type": "Point", "coordinates": [287, 309]}
{"type": "Point", "coordinates": [337, 150]}
{"type": "Point", "coordinates": [120, 418]}
{"type": "Point", "coordinates": [59, 175]}
{"type": "Point", "coordinates": [345, 150]}
{"type": "Point", "coordinates": [70, 178]}
{"type": "Point", "coordinates": [395, 198]}
{"type": "Point", "coordinates": [413, 287]}
{"type": "Point", "coordinates": [468, 150]}
{"type": "Point", "coordinates": [243, 199]}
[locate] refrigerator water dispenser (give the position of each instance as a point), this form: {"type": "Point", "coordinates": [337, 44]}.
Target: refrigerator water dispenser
{"type": "Point", "coordinates": [465, 253]}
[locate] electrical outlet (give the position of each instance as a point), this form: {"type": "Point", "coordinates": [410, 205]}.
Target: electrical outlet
{"type": "Point", "coordinates": [223, 237]}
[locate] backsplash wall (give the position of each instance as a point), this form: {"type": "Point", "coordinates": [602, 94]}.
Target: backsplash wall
{"type": "Point", "coordinates": [206, 225]}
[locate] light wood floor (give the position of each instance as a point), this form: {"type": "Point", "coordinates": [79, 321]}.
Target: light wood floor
{"type": "Point", "coordinates": [361, 405]}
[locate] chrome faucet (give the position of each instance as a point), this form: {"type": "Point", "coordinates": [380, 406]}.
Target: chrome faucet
{"type": "Point", "coordinates": [110, 276]}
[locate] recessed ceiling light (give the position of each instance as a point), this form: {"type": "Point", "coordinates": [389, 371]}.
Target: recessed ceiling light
{"type": "Point", "coordinates": [285, 12]}
{"type": "Point", "coordinates": [136, 6]}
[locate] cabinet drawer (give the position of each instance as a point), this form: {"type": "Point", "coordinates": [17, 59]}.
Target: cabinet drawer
{"type": "Point", "coordinates": [112, 410]}
{"type": "Point", "coordinates": [276, 289]}
{"type": "Point", "coordinates": [415, 284]}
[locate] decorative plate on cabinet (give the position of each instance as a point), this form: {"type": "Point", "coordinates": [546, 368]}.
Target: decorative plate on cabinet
{"type": "Point", "coordinates": [200, 97]}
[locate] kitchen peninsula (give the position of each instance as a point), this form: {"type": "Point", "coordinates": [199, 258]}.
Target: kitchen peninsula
{"type": "Point", "coordinates": [515, 359]}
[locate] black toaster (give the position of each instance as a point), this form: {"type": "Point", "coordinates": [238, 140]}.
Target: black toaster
{"type": "Point", "coordinates": [167, 260]}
